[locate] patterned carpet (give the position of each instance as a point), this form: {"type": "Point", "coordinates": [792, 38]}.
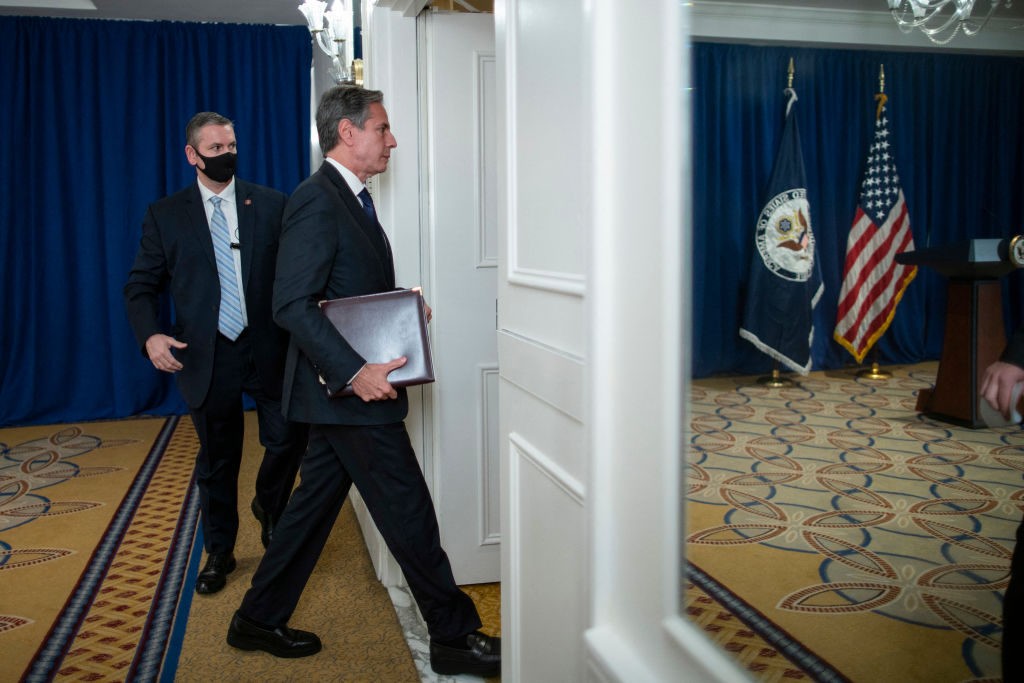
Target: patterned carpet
{"type": "Point", "coordinates": [85, 592]}
{"type": "Point", "coordinates": [98, 558]}
{"type": "Point", "coordinates": [833, 534]}
{"type": "Point", "coordinates": [846, 536]}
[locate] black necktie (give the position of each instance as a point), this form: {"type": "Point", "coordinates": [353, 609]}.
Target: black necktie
{"type": "Point", "coordinates": [371, 213]}
{"type": "Point", "coordinates": [364, 197]}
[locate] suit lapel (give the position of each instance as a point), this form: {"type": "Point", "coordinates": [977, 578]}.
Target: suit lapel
{"type": "Point", "coordinates": [197, 222]}
{"type": "Point", "coordinates": [372, 230]}
{"type": "Point", "coordinates": [246, 226]}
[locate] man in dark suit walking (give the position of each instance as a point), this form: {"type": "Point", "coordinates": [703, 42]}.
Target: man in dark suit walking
{"type": "Point", "coordinates": [332, 246]}
{"type": "Point", "coordinates": [213, 245]}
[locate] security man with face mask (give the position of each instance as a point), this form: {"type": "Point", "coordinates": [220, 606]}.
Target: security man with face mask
{"type": "Point", "coordinates": [213, 247]}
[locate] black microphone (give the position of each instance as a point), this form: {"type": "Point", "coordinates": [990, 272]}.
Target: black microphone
{"type": "Point", "coordinates": [236, 245]}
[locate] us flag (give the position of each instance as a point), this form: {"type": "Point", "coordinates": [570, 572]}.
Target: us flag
{"type": "Point", "coordinates": [873, 283]}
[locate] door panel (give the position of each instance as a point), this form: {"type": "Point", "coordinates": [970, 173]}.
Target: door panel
{"type": "Point", "coordinates": [459, 138]}
{"type": "Point", "coordinates": [543, 345]}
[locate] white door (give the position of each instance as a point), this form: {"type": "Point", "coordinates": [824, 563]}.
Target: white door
{"type": "Point", "coordinates": [458, 139]}
{"type": "Point", "coordinates": [594, 187]}
{"type": "Point", "coordinates": [544, 205]}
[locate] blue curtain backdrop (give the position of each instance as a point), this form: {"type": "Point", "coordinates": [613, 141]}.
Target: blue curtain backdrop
{"type": "Point", "coordinates": [94, 117]}
{"type": "Point", "coordinates": [93, 126]}
{"type": "Point", "coordinates": [959, 146]}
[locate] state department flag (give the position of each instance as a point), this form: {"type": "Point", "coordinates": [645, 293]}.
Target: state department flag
{"type": "Point", "coordinates": [785, 280]}
{"type": "Point", "coordinates": [873, 283]}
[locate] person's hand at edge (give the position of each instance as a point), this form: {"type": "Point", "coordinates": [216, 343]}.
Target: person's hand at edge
{"type": "Point", "coordinates": [997, 385]}
{"type": "Point", "coordinates": [426, 307]}
{"type": "Point", "coordinates": [158, 348]}
{"type": "Point", "coordinates": [371, 383]}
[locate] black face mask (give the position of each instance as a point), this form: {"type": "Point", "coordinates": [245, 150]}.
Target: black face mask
{"type": "Point", "coordinates": [219, 168]}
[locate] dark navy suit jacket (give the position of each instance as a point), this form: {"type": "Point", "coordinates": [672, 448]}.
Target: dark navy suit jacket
{"type": "Point", "coordinates": [329, 249]}
{"type": "Point", "coordinates": [176, 254]}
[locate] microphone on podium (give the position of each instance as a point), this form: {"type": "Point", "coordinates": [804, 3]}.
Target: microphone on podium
{"type": "Point", "coordinates": [1012, 250]}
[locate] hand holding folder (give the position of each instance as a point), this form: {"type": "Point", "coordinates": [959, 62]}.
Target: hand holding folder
{"type": "Point", "coordinates": [382, 327]}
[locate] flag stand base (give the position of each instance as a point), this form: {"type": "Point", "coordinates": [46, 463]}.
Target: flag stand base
{"type": "Point", "coordinates": [775, 380]}
{"type": "Point", "coordinates": [874, 373]}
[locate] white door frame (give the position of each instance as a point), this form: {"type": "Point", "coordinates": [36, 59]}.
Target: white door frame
{"type": "Point", "coordinates": [638, 368]}
{"type": "Point", "coordinates": [459, 233]}
{"type": "Point", "coordinates": [634, 198]}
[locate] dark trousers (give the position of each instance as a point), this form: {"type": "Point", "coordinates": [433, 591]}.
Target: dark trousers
{"type": "Point", "coordinates": [381, 463]}
{"type": "Point", "coordinates": [220, 424]}
{"type": "Point", "coordinates": [1013, 615]}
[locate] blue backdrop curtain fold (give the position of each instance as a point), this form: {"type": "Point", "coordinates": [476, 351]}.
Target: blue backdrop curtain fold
{"type": "Point", "coordinates": [959, 147]}
{"type": "Point", "coordinates": [93, 123]}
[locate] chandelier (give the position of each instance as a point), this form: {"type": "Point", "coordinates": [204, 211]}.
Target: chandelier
{"type": "Point", "coordinates": [941, 20]}
{"type": "Point", "coordinates": [332, 31]}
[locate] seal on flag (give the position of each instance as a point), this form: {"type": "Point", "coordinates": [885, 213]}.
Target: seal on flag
{"type": "Point", "coordinates": [784, 237]}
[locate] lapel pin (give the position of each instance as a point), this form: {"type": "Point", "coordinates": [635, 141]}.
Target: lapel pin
{"type": "Point", "coordinates": [248, 202]}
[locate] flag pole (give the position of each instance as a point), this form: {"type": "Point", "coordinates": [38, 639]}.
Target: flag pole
{"type": "Point", "coordinates": [880, 231]}
{"type": "Point", "coordinates": [876, 373]}
{"type": "Point", "coordinates": [776, 380]}
{"type": "Point", "coordinates": [784, 227]}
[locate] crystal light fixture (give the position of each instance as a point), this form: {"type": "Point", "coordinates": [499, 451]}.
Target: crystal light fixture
{"type": "Point", "coordinates": [941, 20]}
{"type": "Point", "coordinates": [332, 31]}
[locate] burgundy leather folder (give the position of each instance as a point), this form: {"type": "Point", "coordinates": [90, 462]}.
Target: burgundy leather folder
{"type": "Point", "coordinates": [382, 327]}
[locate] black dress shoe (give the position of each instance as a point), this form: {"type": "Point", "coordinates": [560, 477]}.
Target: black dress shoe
{"type": "Point", "coordinates": [215, 573]}
{"type": "Point", "coordinates": [280, 642]}
{"type": "Point", "coordinates": [266, 524]}
{"type": "Point", "coordinates": [475, 653]}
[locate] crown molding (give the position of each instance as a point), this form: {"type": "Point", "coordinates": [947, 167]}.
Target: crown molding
{"type": "Point", "coordinates": [767, 23]}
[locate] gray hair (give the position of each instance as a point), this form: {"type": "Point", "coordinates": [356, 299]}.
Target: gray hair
{"type": "Point", "coordinates": [203, 118]}
{"type": "Point", "coordinates": [343, 102]}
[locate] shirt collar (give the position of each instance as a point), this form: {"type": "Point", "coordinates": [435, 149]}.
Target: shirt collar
{"type": "Point", "coordinates": [354, 183]}
{"type": "Point", "coordinates": [227, 194]}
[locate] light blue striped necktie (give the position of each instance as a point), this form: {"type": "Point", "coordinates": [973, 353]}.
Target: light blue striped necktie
{"type": "Point", "coordinates": [230, 320]}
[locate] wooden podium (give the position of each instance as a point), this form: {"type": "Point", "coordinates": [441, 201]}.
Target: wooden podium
{"type": "Point", "coordinates": [974, 335]}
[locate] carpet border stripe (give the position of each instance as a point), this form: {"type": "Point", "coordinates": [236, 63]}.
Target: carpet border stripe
{"type": "Point", "coordinates": [153, 643]}
{"type": "Point", "coordinates": [52, 651]}
{"type": "Point", "coordinates": [175, 644]}
{"type": "Point", "coordinates": [781, 640]}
